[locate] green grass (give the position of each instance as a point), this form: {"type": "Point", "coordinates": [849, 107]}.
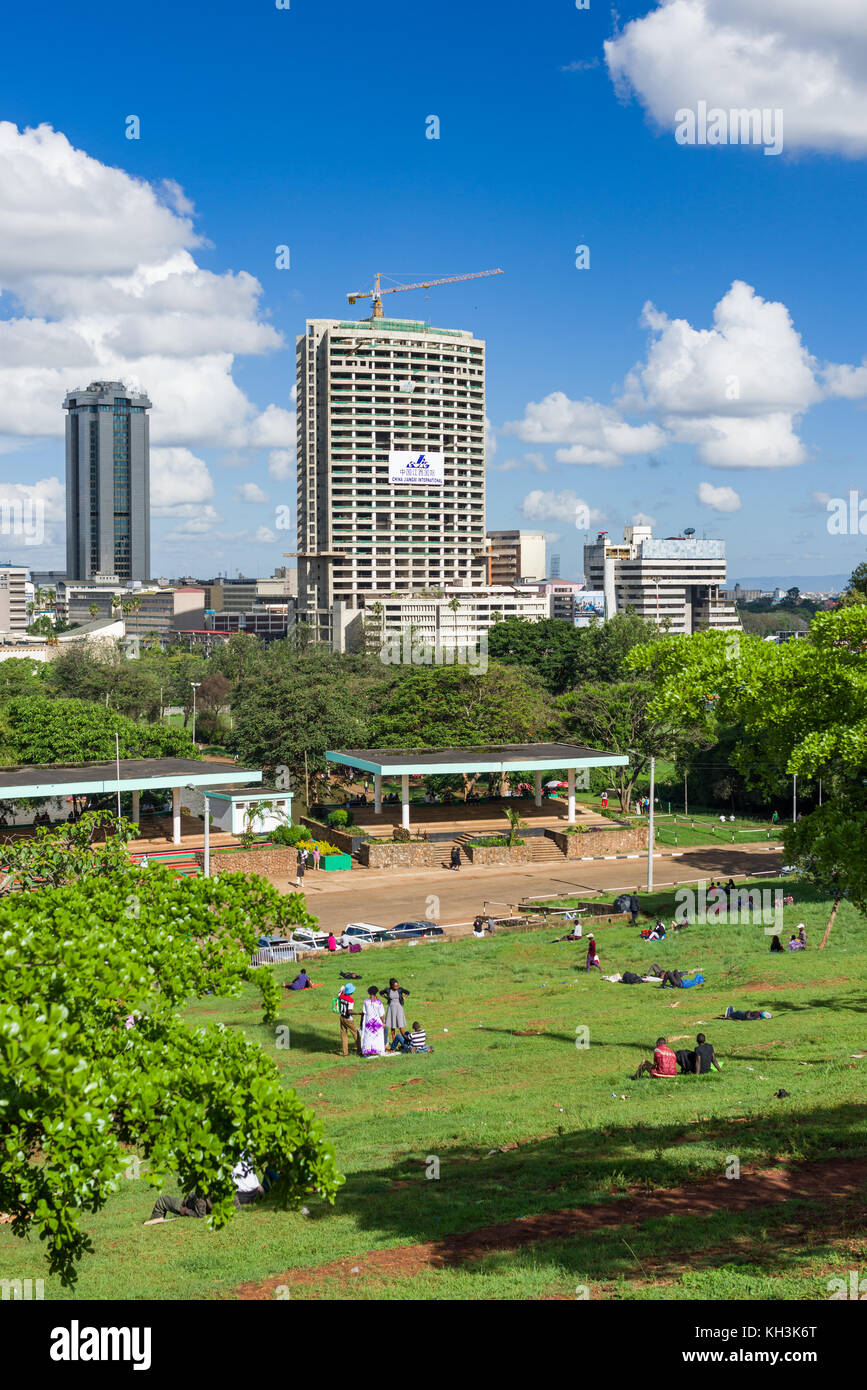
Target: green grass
{"type": "Point", "coordinates": [507, 1077]}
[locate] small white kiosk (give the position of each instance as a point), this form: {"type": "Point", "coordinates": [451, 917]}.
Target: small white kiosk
{"type": "Point", "coordinates": [236, 810]}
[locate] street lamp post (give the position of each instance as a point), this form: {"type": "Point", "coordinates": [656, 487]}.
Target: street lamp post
{"type": "Point", "coordinates": [195, 685]}
{"type": "Point", "coordinates": [650, 827]}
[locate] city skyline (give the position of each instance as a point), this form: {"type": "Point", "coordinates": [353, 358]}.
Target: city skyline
{"type": "Point", "coordinates": [699, 362]}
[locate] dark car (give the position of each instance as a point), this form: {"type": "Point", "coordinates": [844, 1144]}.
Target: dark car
{"type": "Point", "coordinates": [404, 929]}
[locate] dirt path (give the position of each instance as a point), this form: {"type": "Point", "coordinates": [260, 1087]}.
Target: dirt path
{"type": "Point", "coordinates": [829, 1179]}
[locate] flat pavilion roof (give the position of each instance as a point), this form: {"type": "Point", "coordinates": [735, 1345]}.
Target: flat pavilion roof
{"type": "Point", "coordinates": [136, 774]}
{"type": "Point", "coordinates": [492, 757]}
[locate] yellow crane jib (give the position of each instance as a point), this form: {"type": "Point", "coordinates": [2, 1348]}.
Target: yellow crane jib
{"type": "Point", "coordinates": [377, 292]}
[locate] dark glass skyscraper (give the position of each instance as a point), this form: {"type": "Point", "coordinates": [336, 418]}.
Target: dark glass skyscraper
{"type": "Point", "coordinates": [108, 529]}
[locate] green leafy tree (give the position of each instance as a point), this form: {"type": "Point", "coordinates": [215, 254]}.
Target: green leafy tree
{"type": "Point", "coordinates": [620, 717]}
{"type": "Point", "coordinates": [96, 1062]}
{"type": "Point", "coordinates": [803, 709]}
{"type": "Point", "coordinates": [63, 855]}
{"type": "Point", "coordinates": [39, 730]}
{"type": "Point", "coordinates": [451, 706]}
{"type": "Point", "coordinates": [515, 823]}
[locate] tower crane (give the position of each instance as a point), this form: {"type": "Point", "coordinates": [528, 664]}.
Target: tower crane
{"type": "Point", "coordinates": [376, 293]}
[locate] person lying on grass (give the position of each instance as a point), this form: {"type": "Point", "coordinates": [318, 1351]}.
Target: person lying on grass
{"type": "Point", "coordinates": [247, 1189]}
{"type": "Point", "coordinates": [672, 979]}
{"type": "Point", "coordinates": [664, 1062]}
{"type": "Point", "coordinates": [748, 1015]}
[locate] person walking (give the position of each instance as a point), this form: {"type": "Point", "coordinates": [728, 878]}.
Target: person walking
{"type": "Point", "coordinates": [455, 860]}
{"type": "Point", "coordinates": [634, 907]}
{"type": "Point", "coordinates": [372, 1031]}
{"type": "Point", "coordinates": [317, 855]}
{"type": "Point", "coordinates": [346, 1009]}
{"type": "Point", "coordinates": [299, 870]}
{"type": "Point", "coordinates": [395, 1017]}
{"type": "Point", "coordinates": [592, 954]}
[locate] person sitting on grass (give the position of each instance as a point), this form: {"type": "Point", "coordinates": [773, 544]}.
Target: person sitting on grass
{"type": "Point", "coordinates": [746, 1015]}
{"type": "Point", "coordinates": [794, 943]}
{"type": "Point", "coordinates": [417, 1038]}
{"type": "Point", "coordinates": [664, 1062]}
{"type": "Point", "coordinates": [802, 935]}
{"type": "Point", "coordinates": [704, 1057]}
{"type": "Point", "coordinates": [302, 981]}
{"type": "Point", "coordinates": [776, 944]}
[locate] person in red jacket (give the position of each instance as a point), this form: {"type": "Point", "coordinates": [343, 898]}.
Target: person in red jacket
{"type": "Point", "coordinates": [664, 1062]}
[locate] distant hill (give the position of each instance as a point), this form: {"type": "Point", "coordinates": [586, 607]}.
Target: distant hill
{"type": "Point", "coordinates": [823, 583]}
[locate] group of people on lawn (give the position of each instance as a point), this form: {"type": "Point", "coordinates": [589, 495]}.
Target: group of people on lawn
{"type": "Point", "coordinates": [381, 1013]}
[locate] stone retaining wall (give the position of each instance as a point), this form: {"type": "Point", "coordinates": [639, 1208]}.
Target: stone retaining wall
{"type": "Point", "coordinates": [498, 854]}
{"type": "Point", "coordinates": [278, 862]}
{"type": "Point", "coordinates": [386, 854]}
{"type": "Point", "coordinates": [598, 842]}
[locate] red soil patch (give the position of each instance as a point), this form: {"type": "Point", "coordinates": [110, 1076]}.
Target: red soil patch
{"type": "Point", "coordinates": [413, 1081]}
{"type": "Point", "coordinates": [794, 984]}
{"type": "Point", "coordinates": [836, 1178]}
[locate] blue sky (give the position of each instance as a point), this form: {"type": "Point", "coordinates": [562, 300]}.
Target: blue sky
{"type": "Point", "coordinates": [306, 127]}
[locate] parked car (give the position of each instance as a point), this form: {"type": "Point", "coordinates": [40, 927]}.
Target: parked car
{"type": "Point", "coordinates": [306, 939]}
{"type": "Point", "coordinates": [366, 932]}
{"type": "Point", "coordinates": [404, 929]}
{"type": "Point", "coordinates": [272, 950]}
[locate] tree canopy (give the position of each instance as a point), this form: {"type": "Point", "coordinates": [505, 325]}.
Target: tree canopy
{"type": "Point", "coordinates": [803, 709]}
{"type": "Point", "coordinates": [36, 729]}
{"type": "Point", "coordinates": [96, 1062]}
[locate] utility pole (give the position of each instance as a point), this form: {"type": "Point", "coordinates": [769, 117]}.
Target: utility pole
{"type": "Point", "coordinates": [195, 685]}
{"type": "Point", "coordinates": [794, 799]}
{"type": "Point", "coordinates": [685, 802]}
{"type": "Point", "coordinates": [650, 827]}
{"type": "Point", "coordinates": [306, 785]}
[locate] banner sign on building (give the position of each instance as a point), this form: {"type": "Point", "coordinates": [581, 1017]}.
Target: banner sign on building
{"type": "Point", "coordinates": [406, 469]}
{"type": "Point", "coordinates": [588, 606]}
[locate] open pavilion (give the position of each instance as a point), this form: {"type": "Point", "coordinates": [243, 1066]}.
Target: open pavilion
{"type": "Point", "coordinates": [535, 758]}
{"type": "Point", "coordinates": [133, 775]}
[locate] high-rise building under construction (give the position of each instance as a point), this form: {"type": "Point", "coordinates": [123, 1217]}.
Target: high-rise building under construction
{"type": "Point", "coordinates": [391, 463]}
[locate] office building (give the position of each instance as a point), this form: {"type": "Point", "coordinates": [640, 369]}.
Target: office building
{"type": "Point", "coordinates": [107, 483]}
{"type": "Point", "coordinates": [391, 463]}
{"type": "Point", "coordinates": [445, 618]}
{"type": "Point", "coordinates": [13, 601]}
{"type": "Point", "coordinates": [673, 582]}
{"type": "Point", "coordinates": [145, 611]}
{"type": "Point", "coordinates": [515, 555]}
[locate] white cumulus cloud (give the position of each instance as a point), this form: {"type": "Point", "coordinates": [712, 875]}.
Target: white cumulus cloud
{"type": "Point", "coordinates": [98, 280]}
{"type": "Point", "coordinates": [806, 59]}
{"type": "Point", "coordinates": [721, 499]}
{"type": "Point", "coordinates": [593, 433]}
{"type": "Point", "coordinates": [558, 506]}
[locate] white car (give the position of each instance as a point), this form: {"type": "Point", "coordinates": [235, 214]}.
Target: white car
{"type": "Point", "coordinates": [363, 933]}
{"type": "Point", "coordinates": [305, 939]}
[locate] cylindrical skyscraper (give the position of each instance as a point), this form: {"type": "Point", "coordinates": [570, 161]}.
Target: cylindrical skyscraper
{"type": "Point", "coordinates": [108, 529]}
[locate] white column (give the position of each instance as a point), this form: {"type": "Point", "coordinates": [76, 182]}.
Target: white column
{"type": "Point", "coordinates": [176, 815]}
{"type": "Point", "coordinates": [207, 839]}
{"type": "Point", "coordinates": [136, 807]}
{"type": "Point", "coordinates": [571, 796]}
{"type": "Point", "coordinates": [404, 797]}
{"type": "Point", "coordinates": [538, 777]}
{"type": "Point", "coordinates": [377, 793]}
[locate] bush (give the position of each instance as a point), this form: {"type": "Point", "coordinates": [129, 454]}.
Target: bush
{"type": "Point", "coordinates": [289, 835]}
{"type": "Point", "coordinates": [497, 840]}
{"type": "Point", "coordinates": [401, 835]}
{"type": "Point", "coordinates": [340, 818]}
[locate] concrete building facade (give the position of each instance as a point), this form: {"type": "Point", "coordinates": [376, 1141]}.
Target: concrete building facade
{"type": "Point", "coordinates": [374, 398]}
{"type": "Point", "coordinates": [13, 601]}
{"type": "Point", "coordinates": [107, 482]}
{"type": "Point", "coordinates": [673, 582]}
{"type": "Point", "coordinates": [445, 618]}
{"type": "Point", "coordinates": [516, 556]}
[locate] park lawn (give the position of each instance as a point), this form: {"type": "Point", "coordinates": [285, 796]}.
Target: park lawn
{"type": "Point", "coordinates": [566, 1126]}
{"type": "Point", "coordinates": [709, 834]}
